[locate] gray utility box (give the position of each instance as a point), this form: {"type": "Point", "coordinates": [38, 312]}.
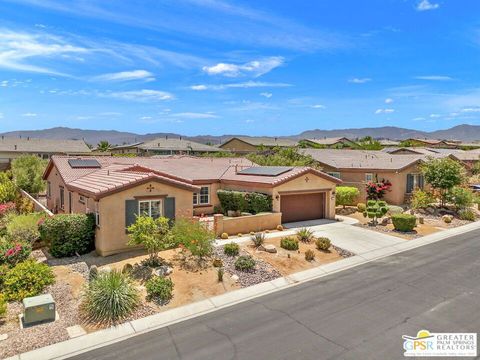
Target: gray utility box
{"type": "Point", "coordinates": [39, 308]}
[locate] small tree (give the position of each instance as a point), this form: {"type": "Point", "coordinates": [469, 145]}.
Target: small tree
{"type": "Point", "coordinates": [153, 234]}
{"type": "Point", "coordinates": [375, 209]}
{"type": "Point", "coordinates": [346, 195]}
{"type": "Point", "coordinates": [193, 236]}
{"type": "Point", "coordinates": [8, 191]}
{"type": "Point", "coordinates": [442, 175]}
{"type": "Point", "coordinates": [104, 146]}
{"type": "Point", "coordinates": [27, 173]}
{"type": "Point", "coordinates": [461, 197]}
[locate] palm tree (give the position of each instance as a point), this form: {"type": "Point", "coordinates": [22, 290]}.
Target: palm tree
{"type": "Point", "coordinates": [104, 146]}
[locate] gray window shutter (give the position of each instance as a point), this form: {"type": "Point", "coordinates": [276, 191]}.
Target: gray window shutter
{"type": "Point", "coordinates": [169, 208]}
{"type": "Point", "coordinates": [409, 183]}
{"type": "Point", "coordinates": [131, 211]}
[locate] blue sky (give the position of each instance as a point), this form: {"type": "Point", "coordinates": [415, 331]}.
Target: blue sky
{"type": "Point", "coordinates": [239, 67]}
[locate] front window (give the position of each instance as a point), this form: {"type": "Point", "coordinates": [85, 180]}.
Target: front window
{"type": "Point", "coordinates": [368, 177]}
{"type": "Point", "coordinates": [334, 174]}
{"type": "Point", "coordinates": [203, 197]}
{"type": "Point", "coordinates": [151, 208]}
{"type": "Point", "coordinates": [414, 181]}
{"type": "Point", "coordinates": [62, 197]}
{"type": "Point", "coordinates": [49, 189]}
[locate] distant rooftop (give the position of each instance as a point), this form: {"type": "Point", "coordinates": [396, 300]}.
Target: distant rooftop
{"type": "Point", "coordinates": [330, 141]}
{"type": "Point", "coordinates": [32, 145]}
{"type": "Point", "coordinates": [266, 141]}
{"type": "Point", "coordinates": [171, 143]}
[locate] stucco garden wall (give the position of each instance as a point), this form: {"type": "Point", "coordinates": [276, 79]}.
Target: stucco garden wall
{"type": "Point", "coordinates": [246, 224]}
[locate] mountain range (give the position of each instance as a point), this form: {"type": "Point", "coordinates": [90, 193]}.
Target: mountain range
{"type": "Point", "coordinates": [461, 132]}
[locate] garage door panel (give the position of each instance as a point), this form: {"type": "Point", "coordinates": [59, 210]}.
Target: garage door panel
{"type": "Point", "coordinates": [300, 207]}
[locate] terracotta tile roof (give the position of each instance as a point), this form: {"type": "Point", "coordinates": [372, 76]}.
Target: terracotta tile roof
{"type": "Point", "coordinates": [31, 145]}
{"type": "Point", "coordinates": [184, 171]}
{"type": "Point", "coordinates": [265, 141]}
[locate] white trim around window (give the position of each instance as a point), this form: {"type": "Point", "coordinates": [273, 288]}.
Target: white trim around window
{"type": "Point", "coordinates": [368, 177]}
{"type": "Point", "coordinates": [152, 208]}
{"type": "Point", "coordinates": [203, 197]}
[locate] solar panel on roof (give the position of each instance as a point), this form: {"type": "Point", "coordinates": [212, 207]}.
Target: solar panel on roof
{"type": "Point", "coordinates": [84, 163]}
{"type": "Point", "coordinates": [265, 170]}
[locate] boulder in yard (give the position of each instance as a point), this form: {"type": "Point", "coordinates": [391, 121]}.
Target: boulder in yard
{"type": "Point", "coordinates": [447, 218]}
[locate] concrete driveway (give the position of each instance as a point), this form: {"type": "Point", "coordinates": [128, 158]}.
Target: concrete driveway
{"type": "Point", "coordinates": [347, 236]}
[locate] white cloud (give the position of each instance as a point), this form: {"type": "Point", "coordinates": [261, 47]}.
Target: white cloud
{"type": "Point", "coordinates": [242, 85]}
{"type": "Point", "coordinates": [472, 109]}
{"type": "Point", "coordinates": [4, 83]}
{"type": "Point", "coordinates": [254, 68]}
{"type": "Point", "coordinates": [418, 119]}
{"type": "Point", "coordinates": [435, 116]}
{"type": "Point", "coordinates": [29, 114]}
{"type": "Point", "coordinates": [384, 111]}
{"type": "Point", "coordinates": [144, 95]}
{"type": "Point", "coordinates": [249, 121]}
{"type": "Point", "coordinates": [194, 115]}
{"type": "Point", "coordinates": [20, 51]}
{"type": "Point", "coordinates": [388, 100]}
{"type": "Point", "coordinates": [434, 77]}
{"type": "Point", "coordinates": [145, 118]}
{"type": "Point", "coordinates": [126, 76]}
{"type": "Point", "coordinates": [268, 95]}
{"type": "Point", "coordinates": [318, 106]}
{"type": "Point", "coordinates": [359, 80]}
{"type": "Point", "coordinates": [198, 87]}
{"type": "Point", "coordinates": [425, 5]}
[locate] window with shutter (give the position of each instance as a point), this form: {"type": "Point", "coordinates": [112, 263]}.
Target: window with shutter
{"type": "Point", "coordinates": [131, 211]}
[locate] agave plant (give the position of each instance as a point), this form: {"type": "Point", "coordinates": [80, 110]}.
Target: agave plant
{"type": "Point", "coordinates": [305, 235]}
{"type": "Point", "coordinates": [258, 239]}
{"type": "Point", "coordinates": [109, 298]}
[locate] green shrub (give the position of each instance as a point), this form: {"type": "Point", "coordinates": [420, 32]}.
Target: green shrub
{"type": "Point", "coordinates": [309, 255]}
{"type": "Point", "coordinates": [231, 249]}
{"type": "Point", "coordinates": [220, 273]}
{"type": "Point", "coordinates": [14, 252]}
{"type": "Point", "coordinates": [68, 234]}
{"type": "Point", "coordinates": [361, 207]}
{"type": "Point", "coordinates": [109, 298]}
{"type": "Point", "coordinates": [24, 228]}
{"type": "Point", "coordinates": [8, 190]}
{"type": "Point", "coordinates": [24, 205]}
{"type": "Point", "coordinates": [251, 202]}
{"type": "Point", "coordinates": [289, 243]}
{"type": "Point", "coordinates": [346, 195]}
{"type": "Point", "coordinates": [304, 235]}
{"type": "Point", "coordinates": [245, 263]}
{"type": "Point", "coordinates": [27, 171]}
{"type": "Point", "coordinates": [3, 306]}
{"type": "Point", "coordinates": [375, 209]}
{"type": "Point", "coordinates": [4, 268]}
{"type": "Point", "coordinates": [461, 197]}
{"type": "Point", "coordinates": [467, 214]}
{"type": "Point", "coordinates": [393, 209]}
{"type": "Point", "coordinates": [194, 236]}
{"type": "Point", "coordinates": [323, 243]}
{"type": "Point", "coordinates": [404, 222]}
{"type": "Point", "coordinates": [26, 279]}
{"type": "Point", "coordinates": [422, 199]}
{"type": "Point", "coordinates": [258, 239]}
{"type": "Point", "coordinates": [159, 289]}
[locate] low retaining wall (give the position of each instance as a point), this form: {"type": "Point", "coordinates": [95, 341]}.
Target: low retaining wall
{"type": "Point", "coordinates": [246, 224]}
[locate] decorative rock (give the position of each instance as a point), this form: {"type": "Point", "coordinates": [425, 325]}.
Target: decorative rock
{"type": "Point", "coordinates": [231, 213]}
{"type": "Point", "coordinates": [430, 210]}
{"type": "Point", "coordinates": [384, 221]}
{"type": "Point", "coordinates": [270, 248]}
{"type": "Point", "coordinates": [163, 270]}
{"type": "Point", "coordinates": [235, 278]}
{"type": "Point", "coordinates": [421, 220]}
{"type": "Point", "coordinates": [447, 218]}
{"type": "Point", "coordinates": [3, 337]}
{"type": "Point", "coordinates": [217, 262]}
{"type": "Point", "coordinates": [92, 273]}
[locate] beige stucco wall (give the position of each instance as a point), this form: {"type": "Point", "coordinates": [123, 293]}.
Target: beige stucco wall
{"type": "Point", "coordinates": [246, 224]}
{"type": "Point", "coordinates": [396, 195]}
{"type": "Point", "coordinates": [208, 209]}
{"type": "Point", "coordinates": [236, 145]}
{"type": "Point", "coordinates": [111, 236]}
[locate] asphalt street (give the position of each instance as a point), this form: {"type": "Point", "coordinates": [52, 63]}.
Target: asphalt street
{"type": "Point", "coordinates": [360, 313]}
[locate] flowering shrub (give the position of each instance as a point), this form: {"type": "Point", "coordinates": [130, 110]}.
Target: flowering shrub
{"type": "Point", "coordinates": [376, 190]}
{"type": "Point", "coordinates": [13, 252]}
{"type": "Point", "coordinates": [6, 208]}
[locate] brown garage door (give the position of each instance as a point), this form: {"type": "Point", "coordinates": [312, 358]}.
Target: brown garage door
{"type": "Point", "coordinates": [300, 207]}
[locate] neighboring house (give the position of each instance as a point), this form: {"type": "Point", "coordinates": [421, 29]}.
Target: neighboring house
{"type": "Point", "coordinates": [165, 146]}
{"type": "Point", "coordinates": [357, 167]}
{"type": "Point", "coordinates": [116, 189]}
{"type": "Point", "coordinates": [388, 142]}
{"type": "Point", "coordinates": [432, 143]}
{"type": "Point", "coordinates": [411, 150]}
{"type": "Point", "coordinates": [331, 143]}
{"type": "Point", "coordinates": [13, 147]}
{"type": "Point", "coordinates": [245, 144]}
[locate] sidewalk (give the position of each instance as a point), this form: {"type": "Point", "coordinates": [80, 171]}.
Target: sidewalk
{"type": "Point", "coordinates": [101, 338]}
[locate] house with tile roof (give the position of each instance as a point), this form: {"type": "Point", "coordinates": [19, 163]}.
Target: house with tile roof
{"type": "Point", "coordinates": [117, 189]}
{"type": "Point", "coordinates": [358, 167]}
{"type": "Point", "coordinates": [247, 144]}
{"type": "Point", "coordinates": [330, 143]}
{"type": "Point", "coordinates": [165, 146]}
{"type": "Point", "coordinates": [13, 147]}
